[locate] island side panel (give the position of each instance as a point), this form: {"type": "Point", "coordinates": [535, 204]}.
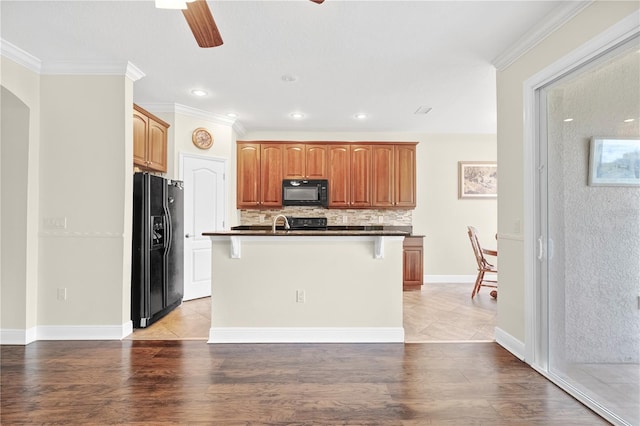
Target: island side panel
{"type": "Point", "coordinates": [344, 286]}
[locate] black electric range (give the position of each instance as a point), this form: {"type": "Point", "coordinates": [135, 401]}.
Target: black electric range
{"type": "Point", "coordinates": [310, 223]}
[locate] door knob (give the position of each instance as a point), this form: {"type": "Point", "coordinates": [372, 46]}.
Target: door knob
{"type": "Point", "coordinates": [188, 236]}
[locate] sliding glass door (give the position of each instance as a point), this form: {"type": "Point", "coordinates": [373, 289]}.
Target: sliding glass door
{"type": "Point", "coordinates": [589, 223]}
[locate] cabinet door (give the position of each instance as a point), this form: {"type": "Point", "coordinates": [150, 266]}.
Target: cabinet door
{"type": "Point", "coordinates": [140, 131]}
{"type": "Point", "coordinates": [316, 163]}
{"type": "Point", "coordinates": [360, 176]}
{"type": "Point", "coordinates": [413, 269]}
{"type": "Point", "coordinates": [248, 180]}
{"type": "Point", "coordinates": [382, 181]}
{"type": "Point", "coordinates": [405, 175]}
{"type": "Point", "coordinates": [157, 147]}
{"type": "Point", "coordinates": [294, 161]}
{"type": "Point", "coordinates": [339, 177]}
{"type": "Point", "coordinates": [271, 175]}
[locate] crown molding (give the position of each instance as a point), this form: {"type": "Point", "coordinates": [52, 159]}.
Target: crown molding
{"type": "Point", "coordinates": [204, 115]}
{"type": "Point", "coordinates": [194, 113]}
{"type": "Point", "coordinates": [91, 68]}
{"type": "Point", "coordinates": [133, 72]}
{"type": "Point", "coordinates": [27, 60]}
{"type": "Point", "coordinates": [550, 23]}
{"type": "Point", "coordinates": [19, 56]}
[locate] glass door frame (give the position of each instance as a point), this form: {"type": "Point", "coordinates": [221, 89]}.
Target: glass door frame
{"type": "Point", "coordinates": [536, 352]}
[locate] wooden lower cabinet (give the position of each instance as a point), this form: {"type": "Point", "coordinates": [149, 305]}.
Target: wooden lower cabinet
{"type": "Point", "coordinates": [412, 259]}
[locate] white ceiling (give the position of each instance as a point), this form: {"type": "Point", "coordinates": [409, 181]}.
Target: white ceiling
{"type": "Point", "coordinates": [382, 58]}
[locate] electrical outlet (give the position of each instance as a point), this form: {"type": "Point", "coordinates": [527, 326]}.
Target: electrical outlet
{"type": "Point", "coordinates": [55, 222]}
{"type": "Point", "coordinates": [62, 294]}
{"type": "Point", "coordinates": [380, 219]}
{"type": "Point", "coordinates": [300, 296]}
{"type": "Point", "coordinates": [345, 219]}
{"type": "Point", "coordinates": [261, 218]}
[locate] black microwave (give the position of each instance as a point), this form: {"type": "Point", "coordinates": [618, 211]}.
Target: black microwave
{"type": "Point", "coordinates": [299, 192]}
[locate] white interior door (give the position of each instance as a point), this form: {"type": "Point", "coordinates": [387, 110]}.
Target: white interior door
{"type": "Point", "coordinates": [204, 210]}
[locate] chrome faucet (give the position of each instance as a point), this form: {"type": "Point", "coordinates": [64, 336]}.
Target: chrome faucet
{"type": "Point", "coordinates": [275, 220]}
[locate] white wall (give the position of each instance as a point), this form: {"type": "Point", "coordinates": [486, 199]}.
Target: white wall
{"type": "Point", "coordinates": [590, 22]}
{"type": "Point", "coordinates": [86, 148]}
{"type": "Point", "coordinates": [18, 289]}
{"type": "Point", "coordinates": [14, 156]}
{"type": "Point", "coordinates": [439, 214]}
{"type": "Point", "coordinates": [259, 289]}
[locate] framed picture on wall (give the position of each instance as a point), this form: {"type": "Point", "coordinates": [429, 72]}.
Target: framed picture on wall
{"type": "Point", "coordinates": [614, 162]}
{"type": "Point", "coordinates": [477, 179]}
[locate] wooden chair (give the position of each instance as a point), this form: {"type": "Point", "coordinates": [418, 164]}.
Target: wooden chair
{"type": "Point", "coordinates": [483, 265]}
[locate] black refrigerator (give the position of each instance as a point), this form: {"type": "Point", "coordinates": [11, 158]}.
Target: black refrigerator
{"type": "Point", "coordinates": [157, 283]}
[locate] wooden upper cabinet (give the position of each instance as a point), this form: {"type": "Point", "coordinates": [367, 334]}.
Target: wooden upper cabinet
{"type": "Point", "coordinates": [149, 141]}
{"type": "Point", "coordinates": [248, 170]}
{"type": "Point", "coordinates": [140, 132]}
{"type": "Point", "coordinates": [317, 161]}
{"type": "Point", "coordinates": [382, 182]}
{"type": "Point", "coordinates": [405, 175]}
{"type": "Point", "coordinates": [360, 175]}
{"type": "Point", "coordinates": [304, 161]}
{"type": "Point", "coordinates": [271, 174]}
{"type": "Point", "coordinates": [394, 175]}
{"type": "Point", "coordinates": [157, 146]}
{"type": "Point", "coordinates": [294, 161]}
{"type": "Point", "coordinates": [339, 176]}
{"type": "Point", "coordinates": [379, 175]}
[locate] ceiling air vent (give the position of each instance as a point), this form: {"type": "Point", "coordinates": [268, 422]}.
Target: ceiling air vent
{"type": "Point", "coordinates": [423, 110]}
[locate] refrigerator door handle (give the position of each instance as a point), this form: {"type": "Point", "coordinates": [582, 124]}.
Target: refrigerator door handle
{"type": "Point", "coordinates": [169, 228]}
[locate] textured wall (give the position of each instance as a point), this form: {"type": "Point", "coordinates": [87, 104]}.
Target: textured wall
{"type": "Point", "coordinates": [595, 270]}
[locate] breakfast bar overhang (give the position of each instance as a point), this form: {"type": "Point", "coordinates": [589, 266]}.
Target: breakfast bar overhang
{"type": "Point", "coordinates": [306, 287]}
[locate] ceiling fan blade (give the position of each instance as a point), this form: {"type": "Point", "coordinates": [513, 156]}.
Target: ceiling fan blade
{"type": "Point", "coordinates": [318, 1]}
{"type": "Point", "coordinates": [202, 25]}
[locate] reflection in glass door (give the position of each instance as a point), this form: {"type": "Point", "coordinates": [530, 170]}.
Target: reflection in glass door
{"type": "Point", "coordinates": [591, 235]}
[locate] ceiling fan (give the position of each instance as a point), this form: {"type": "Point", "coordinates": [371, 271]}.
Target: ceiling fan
{"type": "Point", "coordinates": [200, 20]}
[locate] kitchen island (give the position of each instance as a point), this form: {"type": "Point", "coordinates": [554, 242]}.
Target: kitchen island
{"type": "Point", "coordinates": [306, 286]}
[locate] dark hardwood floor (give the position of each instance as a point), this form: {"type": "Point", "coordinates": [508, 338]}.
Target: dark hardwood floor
{"type": "Point", "coordinates": [191, 382]}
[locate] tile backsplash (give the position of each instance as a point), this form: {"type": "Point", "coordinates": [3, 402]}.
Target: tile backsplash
{"type": "Point", "coordinates": [335, 217]}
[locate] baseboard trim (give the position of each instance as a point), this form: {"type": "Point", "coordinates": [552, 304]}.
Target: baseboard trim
{"type": "Point", "coordinates": [85, 332]}
{"type": "Point", "coordinates": [306, 335]}
{"type": "Point", "coordinates": [510, 343]}
{"type": "Point", "coordinates": [17, 336]}
{"type": "Point", "coordinates": [66, 332]}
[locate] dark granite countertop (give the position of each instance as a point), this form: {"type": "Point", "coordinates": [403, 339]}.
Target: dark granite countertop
{"type": "Point", "coordinates": [360, 230]}
{"type": "Point", "coordinates": [309, 233]}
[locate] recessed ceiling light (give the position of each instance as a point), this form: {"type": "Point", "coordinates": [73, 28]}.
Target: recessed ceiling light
{"type": "Point", "coordinates": [567, 120]}
{"type": "Point", "coordinates": [288, 78]}
{"type": "Point", "coordinates": [232, 115]}
{"type": "Point", "coordinates": [198, 92]}
{"type": "Point", "coordinates": [296, 115]}
{"type": "Point", "coordinates": [360, 116]}
{"type": "Point", "coordinates": [629, 120]}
